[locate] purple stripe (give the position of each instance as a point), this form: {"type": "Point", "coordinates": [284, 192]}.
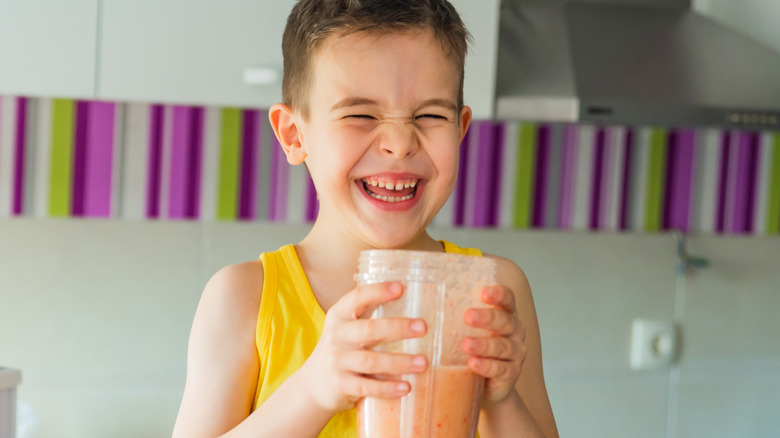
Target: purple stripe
{"type": "Point", "coordinates": [482, 180]}
{"type": "Point", "coordinates": [177, 199]}
{"type": "Point", "coordinates": [282, 187]}
{"type": "Point", "coordinates": [680, 171]}
{"type": "Point", "coordinates": [99, 160]}
{"type": "Point", "coordinates": [460, 185]}
{"type": "Point", "coordinates": [80, 158]}
{"type": "Point", "coordinates": [195, 167]}
{"type": "Point", "coordinates": [499, 138]}
{"type": "Point", "coordinates": [19, 157]}
{"type": "Point", "coordinates": [156, 115]}
{"type": "Point", "coordinates": [597, 178]}
{"type": "Point", "coordinates": [247, 209]}
{"type": "Point", "coordinates": [538, 216]}
{"type": "Point", "coordinates": [312, 205]}
{"type": "Point", "coordinates": [745, 183]}
{"type": "Point", "coordinates": [624, 198]}
{"type": "Point", "coordinates": [568, 176]}
{"type": "Point", "coordinates": [720, 212]}
{"type": "Point", "coordinates": [753, 173]}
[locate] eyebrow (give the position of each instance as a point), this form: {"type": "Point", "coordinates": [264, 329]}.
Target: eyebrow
{"type": "Point", "coordinates": [357, 101]}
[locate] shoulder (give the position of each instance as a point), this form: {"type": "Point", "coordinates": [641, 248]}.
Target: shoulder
{"type": "Point", "coordinates": [510, 274]}
{"type": "Point", "coordinates": [231, 300]}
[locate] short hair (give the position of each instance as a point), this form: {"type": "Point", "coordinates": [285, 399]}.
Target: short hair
{"type": "Point", "coordinates": [311, 22]}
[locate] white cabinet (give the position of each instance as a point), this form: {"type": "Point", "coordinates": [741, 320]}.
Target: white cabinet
{"type": "Point", "coordinates": [481, 18]}
{"type": "Point", "coordinates": [47, 47]}
{"type": "Point", "coordinates": [196, 52]}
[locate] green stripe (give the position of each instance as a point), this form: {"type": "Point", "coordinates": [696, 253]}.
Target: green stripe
{"type": "Point", "coordinates": [773, 203]}
{"type": "Point", "coordinates": [524, 184]}
{"type": "Point", "coordinates": [61, 158]}
{"type": "Point", "coordinates": [227, 191]}
{"type": "Point", "coordinates": [656, 180]}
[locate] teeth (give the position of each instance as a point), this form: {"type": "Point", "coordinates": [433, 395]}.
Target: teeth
{"type": "Point", "coordinates": [400, 185]}
{"type": "Point", "coordinates": [391, 199]}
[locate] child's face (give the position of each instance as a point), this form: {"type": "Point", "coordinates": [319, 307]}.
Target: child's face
{"type": "Point", "coordinates": [383, 111]}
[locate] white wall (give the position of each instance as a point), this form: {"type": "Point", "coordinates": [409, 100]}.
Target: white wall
{"type": "Point", "coordinates": [96, 314]}
{"type": "Point", "coordinates": [755, 18]}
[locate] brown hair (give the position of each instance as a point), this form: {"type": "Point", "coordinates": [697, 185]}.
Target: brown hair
{"type": "Point", "coordinates": [311, 22]}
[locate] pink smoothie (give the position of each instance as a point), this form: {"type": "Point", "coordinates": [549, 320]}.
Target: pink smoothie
{"type": "Point", "coordinates": [449, 409]}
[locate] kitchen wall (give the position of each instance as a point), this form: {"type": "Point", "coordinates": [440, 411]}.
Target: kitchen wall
{"type": "Point", "coordinates": [96, 314]}
{"type": "Point", "coordinates": [73, 158]}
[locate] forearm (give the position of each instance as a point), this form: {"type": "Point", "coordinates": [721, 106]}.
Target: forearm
{"type": "Point", "coordinates": [509, 418]}
{"type": "Point", "coordinates": [290, 411]}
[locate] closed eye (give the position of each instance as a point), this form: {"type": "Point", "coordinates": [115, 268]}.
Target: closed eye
{"type": "Point", "coordinates": [359, 116]}
{"type": "Point", "coordinates": [431, 116]}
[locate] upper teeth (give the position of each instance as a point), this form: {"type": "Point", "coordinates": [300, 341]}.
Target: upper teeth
{"type": "Point", "coordinates": [390, 185]}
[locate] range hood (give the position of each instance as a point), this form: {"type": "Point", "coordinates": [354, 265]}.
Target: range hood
{"type": "Point", "coordinates": [651, 62]}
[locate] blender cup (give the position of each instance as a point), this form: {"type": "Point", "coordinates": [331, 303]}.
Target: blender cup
{"type": "Point", "coordinates": [438, 288]}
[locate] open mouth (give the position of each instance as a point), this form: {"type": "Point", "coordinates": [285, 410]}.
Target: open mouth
{"type": "Point", "coordinates": [391, 191]}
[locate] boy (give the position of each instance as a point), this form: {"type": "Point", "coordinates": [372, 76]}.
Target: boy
{"type": "Point", "coordinates": [373, 107]}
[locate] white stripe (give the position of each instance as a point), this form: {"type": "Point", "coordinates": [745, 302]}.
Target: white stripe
{"type": "Point", "coordinates": [706, 191]}
{"type": "Point", "coordinates": [617, 150]}
{"type": "Point", "coordinates": [209, 177]}
{"type": "Point", "coordinates": [30, 153]}
{"type": "Point", "coordinates": [135, 162]}
{"type": "Point", "coordinates": [731, 183]}
{"type": "Point", "coordinates": [165, 164]}
{"type": "Point", "coordinates": [116, 160]}
{"type": "Point", "coordinates": [764, 176]}
{"type": "Point", "coordinates": [42, 159]}
{"type": "Point", "coordinates": [508, 176]}
{"type": "Point", "coordinates": [584, 179]}
{"type": "Point", "coordinates": [639, 195]}
{"type": "Point", "coordinates": [7, 146]}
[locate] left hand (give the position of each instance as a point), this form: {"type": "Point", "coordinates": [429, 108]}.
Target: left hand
{"type": "Point", "coordinates": [498, 357]}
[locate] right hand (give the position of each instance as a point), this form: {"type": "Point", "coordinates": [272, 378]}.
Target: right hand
{"type": "Point", "coordinates": [338, 370]}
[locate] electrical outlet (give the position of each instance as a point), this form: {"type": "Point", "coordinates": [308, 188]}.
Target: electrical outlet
{"type": "Point", "coordinates": [653, 344]}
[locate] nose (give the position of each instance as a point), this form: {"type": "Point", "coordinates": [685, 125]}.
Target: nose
{"type": "Point", "coordinates": [398, 140]}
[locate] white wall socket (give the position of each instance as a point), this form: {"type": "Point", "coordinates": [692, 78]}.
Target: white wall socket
{"type": "Point", "coordinates": [653, 344]}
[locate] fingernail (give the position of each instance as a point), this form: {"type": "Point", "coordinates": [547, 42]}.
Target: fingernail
{"type": "Point", "coordinates": [418, 327]}
{"type": "Point", "coordinates": [394, 288]}
{"type": "Point", "coordinates": [419, 362]}
{"type": "Point", "coordinates": [402, 387]}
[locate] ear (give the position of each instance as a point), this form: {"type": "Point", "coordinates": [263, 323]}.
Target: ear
{"type": "Point", "coordinates": [285, 126]}
{"type": "Point", "coordinates": [464, 121]}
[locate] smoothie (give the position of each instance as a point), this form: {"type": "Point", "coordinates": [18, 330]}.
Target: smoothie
{"type": "Point", "coordinates": [443, 403]}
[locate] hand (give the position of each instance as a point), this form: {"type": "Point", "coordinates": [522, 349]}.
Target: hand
{"type": "Point", "coordinates": [498, 357]}
{"type": "Point", "coordinates": [339, 367]}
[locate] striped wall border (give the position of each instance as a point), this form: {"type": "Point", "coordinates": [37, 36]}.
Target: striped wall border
{"type": "Point", "coordinates": [71, 158]}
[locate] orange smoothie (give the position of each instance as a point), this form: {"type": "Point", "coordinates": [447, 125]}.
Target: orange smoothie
{"type": "Point", "coordinates": [443, 403]}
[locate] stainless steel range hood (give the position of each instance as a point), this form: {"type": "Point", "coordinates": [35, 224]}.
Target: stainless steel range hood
{"type": "Point", "coordinates": [652, 62]}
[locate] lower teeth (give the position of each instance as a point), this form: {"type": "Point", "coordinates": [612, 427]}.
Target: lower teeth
{"type": "Point", "coordinates": [390, 199]}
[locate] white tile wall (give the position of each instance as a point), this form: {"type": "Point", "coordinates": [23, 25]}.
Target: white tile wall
{"type": "Point", "coordinates": [729, 382]}
{"type": "Point", "coordinates": [97, 315]}
{"type": "Point", "coordinates": [587, 289]}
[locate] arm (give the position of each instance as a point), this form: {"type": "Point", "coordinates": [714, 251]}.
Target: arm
{"type": "Point", "coordinates": [525, 405]}
{"type": "Point", "coordinates": [223, 365]}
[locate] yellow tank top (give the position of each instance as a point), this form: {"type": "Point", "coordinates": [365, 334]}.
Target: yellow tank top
{"type": "Point", "coordinates": [290, 323]}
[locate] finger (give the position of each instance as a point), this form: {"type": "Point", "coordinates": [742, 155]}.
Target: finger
{"type": "Point", "coordinates": [499, 296]}
{"type": "Point", "coordinates": [370, 332]}
{"type": "Point", "coordinates": [359, 300]}
{"type": "Point", "coordinates": [494, 369]}
{"type": "Point", "coordinates": [494, 348]}
{"type": "Point", "coordinates": [372, 362]}
{"type": "Point", "coordinates": [497, 321]}
{"type": "Point", "coordinates": [364, 386]}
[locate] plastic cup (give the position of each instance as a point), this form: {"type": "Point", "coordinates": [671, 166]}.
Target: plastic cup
{"type": "Point", "coordinates": [438, 288]}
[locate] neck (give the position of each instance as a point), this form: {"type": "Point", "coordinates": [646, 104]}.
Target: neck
{"type": "Point", "coordinates": [329, 256]}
